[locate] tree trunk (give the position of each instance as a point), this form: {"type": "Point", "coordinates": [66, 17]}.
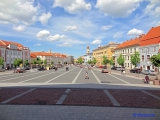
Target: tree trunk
{"type": "Point", "coordinates": [158, 75]}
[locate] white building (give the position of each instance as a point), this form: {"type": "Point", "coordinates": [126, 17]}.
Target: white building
{"type": "Point", "coordinates": [149, 46]}
{"type": "Point", "coordinates": [87, 56]}
{"type": "Point", "coordinates": [127, 49]}
{"type": "Point", "coordinates": [11, 51]}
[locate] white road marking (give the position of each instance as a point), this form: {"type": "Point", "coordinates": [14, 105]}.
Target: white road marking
{"type": "Point", "coordinates": [19, 76]}
{"type": "Point", "coordinates": [58, 76]}
{"type": "Point", "coordinates": [119, 79]}
{"type": "Point", "coordinates": [96, 77]}
{"type": "Point", "coordinates": [38, 77]}
{"type": "Point", "coordinates": [76, 76]}
{"type": "Point", "coordinates": [6, 101]}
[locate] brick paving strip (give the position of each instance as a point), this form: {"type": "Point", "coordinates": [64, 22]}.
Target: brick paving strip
{"type": "Point", "coordinates": [6, 101]}
{"type": "Point", "coordinates": [151, 95]}
{"type": "Point", "coordinates": [113, 100]}
{"type": "Point", "coordinates": [63, 97]}
{"type": "Point", "coordinates": [135, 98]}
{"type": "Point", "coordinates": [40, 96]}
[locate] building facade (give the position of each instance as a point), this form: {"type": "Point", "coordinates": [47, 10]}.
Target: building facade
{"type": "Point", "coordinates": [107, 50]}
{"type": "Point", "coordinates": [149, 46]}
{"type": "Point", "coordinates": [11, 51]}
{"type": "Point", "coordinates": [127, 49]}
{"type": "Point", "coordinates": [88, 56]}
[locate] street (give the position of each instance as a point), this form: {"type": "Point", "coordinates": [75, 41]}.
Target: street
{"type": "Point", "coordinates": [74, 75]}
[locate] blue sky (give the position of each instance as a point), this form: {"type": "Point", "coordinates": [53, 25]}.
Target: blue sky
{"type": "Point", "coordinates": [68, 26]}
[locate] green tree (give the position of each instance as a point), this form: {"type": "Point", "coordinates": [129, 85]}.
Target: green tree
{"type": "Point", "coordinates": [155, 59]}
{"type": "Point", "coordinates": [105, 60]}
{"type": "Point", "coordinates": [135, 59]}
{"type": "Point", "coordinates": [1, 61]}
{"type": "Point", "coordinates": [89, 61]}
{"type": "Point", "coordinates": [34, 61]}
{"type": "Point", "coordinates": [45, 62]}
{"type": "Point", "coordinates": [94, 61]}
{"type": "Point", "coordinates": [80, 60]}
{"type": "Point", "coordinates": [17, 62]}
{"type": "Point", "coordinates": [120, 60]}
{"type": "Point", "coordinates": [26, 63]}
{"type": "Point", "coordinates": [52, 62]}
{"type": "Point", "coordinates": [111, 62]}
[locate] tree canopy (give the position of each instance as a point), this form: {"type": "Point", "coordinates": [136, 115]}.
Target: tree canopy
{"type": "Point", "coordinates": [26, 62]}
{"type": "Point", "coordinates": [120, 60]}
{"type": "Point", "coordinates": [94, 61]}
{"type": "Point", "coordinates": [80, 60]}
{"type": "Point", "coordinates": [17, 62]}
{"type": "Point", "coordinates": [105, 60]}
{"type": "Point", "coordinates": [1, 61]}
{"type": "Point", "coordinates": [111, 62]}
{"type": "Point", "coordinates": [155, 59]}
{"type": "Point", "coordinates": [135, 59]}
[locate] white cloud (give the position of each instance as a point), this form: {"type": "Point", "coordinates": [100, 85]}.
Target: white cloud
{"type": "Point", "coordinates": [153, 9]}
{"type": "Point", "coordinates": [72, 6]}
{"type": "Point", "coordinates": [70, 28]}
{"type": "Point", "coordinates": [37, 44]}
{"type": "Point", "coordinates": [135, 32]}
{"type": "Point", "coordinates": [96, 42]}
{"type": "Point", "coordinates": [117, 8]}
{"type": "Point", "coordinates": [44, 18]}
{"type": "Point", "coordinates": [56, 37]}
{"type": "Point", "coordinates": [44, 34]}
{"type": "Point", "coordinates": [19, 28]}
{"type": "Point", "coordinates": [118, 35]}
{"type": "Point", "coordinates": [18, 11]}
{"type": "Point", "coordinates": [66, 44]}
{"type": "Point", "coordinates": [106, 27]}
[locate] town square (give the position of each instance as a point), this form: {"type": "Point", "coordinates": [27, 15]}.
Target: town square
{"type": "Point", "coordinates": [79, 60]}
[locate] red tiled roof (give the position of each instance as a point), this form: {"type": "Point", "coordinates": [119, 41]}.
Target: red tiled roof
{"type": "Point", "coordinates": [152, 37]}
{"type": "Point", "coordinates": [33, 55]}
{"type": "Point", "coordinates": [132, 42]}
{"type": "Point", "coordinates": [42, 54]}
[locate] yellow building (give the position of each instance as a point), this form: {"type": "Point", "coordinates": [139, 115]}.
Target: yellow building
{"type": "Point", "coordinates": [107, 50]}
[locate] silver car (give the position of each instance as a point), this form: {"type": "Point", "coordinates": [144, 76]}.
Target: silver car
{"type": "Point", "coordinates": [149, 72]}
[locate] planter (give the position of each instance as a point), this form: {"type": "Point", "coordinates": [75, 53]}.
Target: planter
{"type": "Point", "coordinates": [156, 82]}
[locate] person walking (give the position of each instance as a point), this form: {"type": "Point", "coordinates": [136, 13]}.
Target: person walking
{"type": "Point", "coordinates": [86, 77]}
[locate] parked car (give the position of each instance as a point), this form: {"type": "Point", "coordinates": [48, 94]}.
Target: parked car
{"type": "Point", "coordinates": [118, 68]}
{"type": "Point", "coordinates": [135, 70]}
{"type": "Point", "coordinates": [149, 72]}
{"type": "Point", "coordinates": [41, 68]}
{"type": "Point", "coordinates": [27, 68]}
{"type": "Point", "coordinates": [19, 70]}
{"type": "Point", "coordinates": [113, 68]}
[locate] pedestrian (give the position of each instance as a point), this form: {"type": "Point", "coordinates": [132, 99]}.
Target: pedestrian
{"type": "Point", "coordinates": [86, 75]}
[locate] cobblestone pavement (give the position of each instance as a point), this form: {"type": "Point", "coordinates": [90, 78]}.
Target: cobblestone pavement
{"type": "Point", "coordinates": [61, 112]}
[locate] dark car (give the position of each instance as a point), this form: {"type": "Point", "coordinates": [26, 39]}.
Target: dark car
{"type": "Point", "coordinates": [41, 68]}
{"type": "Point", "coordinates": [113, 68]}
{"type": "Point", "coordinates": [27, 68]}
{"type": "Point", "coordinates": [135, 70]}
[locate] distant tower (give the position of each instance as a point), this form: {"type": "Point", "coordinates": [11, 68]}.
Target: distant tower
{"type": "Point", "coordinates": [87, 50]}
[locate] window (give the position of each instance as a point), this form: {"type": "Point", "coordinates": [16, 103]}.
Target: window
{"type": "Point", "coordinates": [154, 49]}
{"type": "Point", "coordinates": [128, 64]}
{"type": "Point", "coordinates": [134, 49]}
{"type": "Point", "coordinates": [142, 50]}
{"type": "Point", "coordinates": [128, 57]}
{"type": "Point", "coordinates": [131, 50]}
{"type": "Point", "coordinates": [148, 57]}
{"type": "Point", "coordinates": [142, 57]}
{"type": "Point", "coordinates": [128, 50]}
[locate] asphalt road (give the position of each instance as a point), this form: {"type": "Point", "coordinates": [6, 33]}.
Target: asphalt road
{"type": "Point", "coordinates": [74, 75]}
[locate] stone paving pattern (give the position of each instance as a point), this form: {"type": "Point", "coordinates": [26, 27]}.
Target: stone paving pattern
{"type": "Point", "coordinates": [61, 112]}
